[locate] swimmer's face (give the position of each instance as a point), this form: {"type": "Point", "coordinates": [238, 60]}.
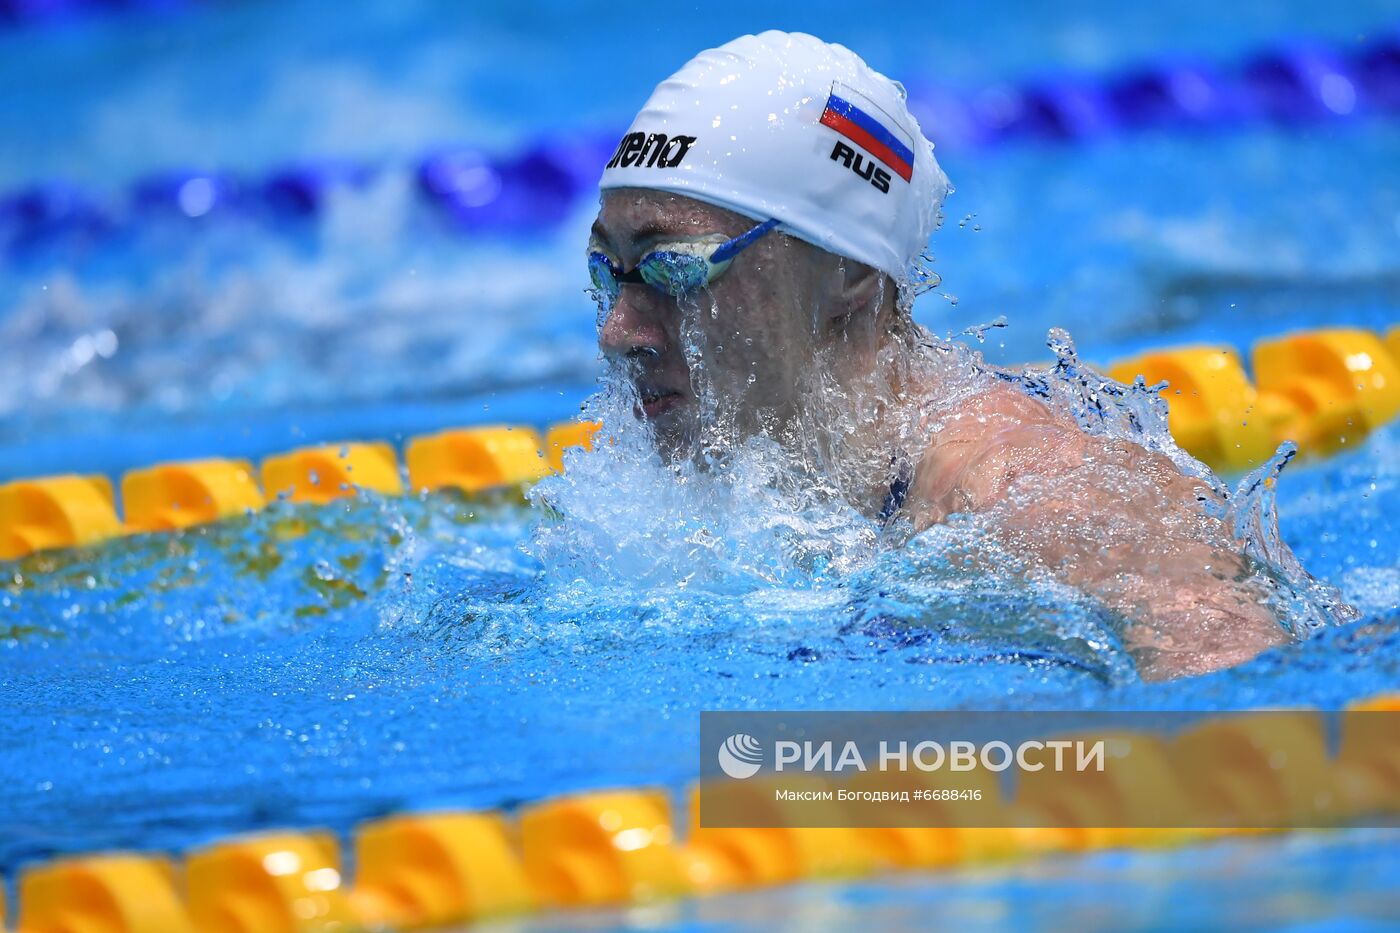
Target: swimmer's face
{"type": "Point", "coordinates": [732, 359]}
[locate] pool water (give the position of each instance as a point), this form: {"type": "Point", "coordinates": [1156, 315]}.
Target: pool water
{"type": "Point", "coordinates": [319, 665]}
{"type": "Point", "coordinates": [1126, 239]}
{"type": "Point", "coordinates": [316, 665]}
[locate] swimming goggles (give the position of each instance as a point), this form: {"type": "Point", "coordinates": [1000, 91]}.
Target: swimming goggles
{"type": "Point", "coordinates": [676, 270]}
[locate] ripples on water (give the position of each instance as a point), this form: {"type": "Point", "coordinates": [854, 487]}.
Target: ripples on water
{"type": "Point", "coordinates": [159, 322]}
{"type": "Point", "coordinates": [319, 664]}
{"type": "Point", "coordinates": [744, 513]}
{"type": "Point", "coordinates": [315, 665]}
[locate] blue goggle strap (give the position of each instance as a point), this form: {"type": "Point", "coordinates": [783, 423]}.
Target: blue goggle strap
{"type": "Point", "coordinates": [732, 248]}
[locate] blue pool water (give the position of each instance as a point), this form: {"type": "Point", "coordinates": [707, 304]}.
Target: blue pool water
{"type": "Point", "coordinates": [1126, 239]}
{"type": "Point", "coordinates": [322, 665]}
{"type": "Point", "coordinates": [318, 665]}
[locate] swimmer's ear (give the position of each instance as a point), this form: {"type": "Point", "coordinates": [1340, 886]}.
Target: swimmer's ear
{"type": "Point", "coordinates": [862, 290]}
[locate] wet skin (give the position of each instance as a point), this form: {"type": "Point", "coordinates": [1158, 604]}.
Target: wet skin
{"type": "Point", "coordinates": [786, 308]}
{"type": "Point", "coordinates": [776, 309]}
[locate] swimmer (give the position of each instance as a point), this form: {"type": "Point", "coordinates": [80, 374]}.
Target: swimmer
{"type": "Point", "coordinates": [759, 234]}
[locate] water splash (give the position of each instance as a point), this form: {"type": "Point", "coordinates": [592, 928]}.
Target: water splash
{"type": "Point", "coordinates": [978, 332]}
{"type": "Point", "coordinates": [1310, 604]}
{"type": "Point", "coordinates": [1138, 413]}
{"type": "Point", "coordinates": [623, 517]}
{"type": "Point", "coordinates": [1104, 407]}
{"type": "Point", "coordinates": [776, 511]}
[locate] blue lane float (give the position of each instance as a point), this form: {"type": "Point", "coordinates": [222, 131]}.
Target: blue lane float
{"type": "Point", "coordinates": [302, 190]}
{"type": "Point", "coordinates": [1173, 94]}
{"type": "Point", "coordinates": [1300, 84]}
{"type": "Point", "coordinates": [476, 192]}
{"type": "Point", "coordinates": [37, 12]}
{"type": "Point", "coordinates": [52, 213]}
{"type": "Point", "coordinates": [1378, 70]}
{"type": "Point", "coordinates": [190, 194]}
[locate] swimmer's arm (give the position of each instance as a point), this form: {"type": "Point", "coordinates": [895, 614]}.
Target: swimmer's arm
{"type": "Point", "coordinates": [1107, 517]}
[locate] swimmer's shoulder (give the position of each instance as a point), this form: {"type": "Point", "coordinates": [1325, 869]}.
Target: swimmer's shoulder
{"type": "Point", "coordinates": [990, 417]}
{"type": "Point", "coordinates": [997, 435]}
{"type": "Point", "coordinates": [979, 444]}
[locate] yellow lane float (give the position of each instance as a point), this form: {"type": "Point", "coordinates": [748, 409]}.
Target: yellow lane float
{"type": "Point", "coordinates": [272, 883]}
{"type": "Point", "coordinates": [1137, 789]}
{"type": "Point", "coordinates": [774, 850]}
{"type": "Point", "coordinates": [1268, 768]}
{"type": "Point", "coordinates": [569, 434]}
{"type": "Point", "coordinates": [476, 459]}
{"type": "Point", "coordinates": [605, 847]}
{"type": "Point", "coordinates": [332, 471]}
{"type": "Point", "coordinates": [1214, 412]}
{"type": "Point", "coordinates": [1342, 382]}
{"type": "Point", "coordinates": [1368, 763]}
{"type": "Point", "coordinates": [102, 894]}
{"type": "Point", "coordinates": [54, 512]}
{"type": "Point", "coordinates": [618, 847]}
{"type": "Point", "coordinates": [435, 869]}
{"type": "Point", "coordinates": [176, 495]}
{"type": "Point", "coordinates": [940, 833]}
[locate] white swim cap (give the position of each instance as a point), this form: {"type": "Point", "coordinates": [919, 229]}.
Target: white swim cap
{"type": "Point", "coordinates": [785, 125]}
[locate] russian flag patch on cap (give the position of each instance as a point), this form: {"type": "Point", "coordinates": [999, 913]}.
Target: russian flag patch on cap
{"type": "Point", "coordinates": [860, 120]}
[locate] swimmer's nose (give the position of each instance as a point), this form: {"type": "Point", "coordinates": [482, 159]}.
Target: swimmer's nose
{"type": "Point", "coordinates": [631, 330]}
